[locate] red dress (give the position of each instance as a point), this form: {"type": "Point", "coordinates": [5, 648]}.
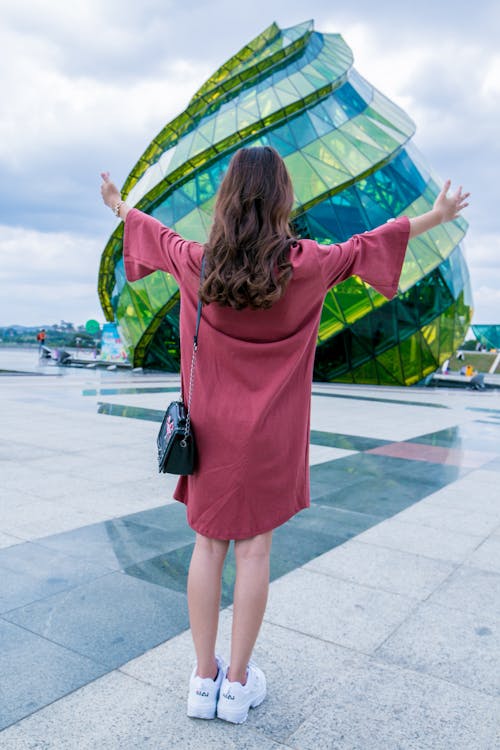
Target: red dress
{"type": "Point", "coordinates": [252, 391]}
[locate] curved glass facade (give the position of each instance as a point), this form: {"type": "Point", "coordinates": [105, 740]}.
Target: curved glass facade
{"type": "Point", "coordinates": [488, 335]}
{"type": "Point", "coordinates": [349, 152]}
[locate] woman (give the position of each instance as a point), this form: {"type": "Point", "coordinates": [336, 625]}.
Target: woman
{"type": "Point", "coordinates": [263, 292]}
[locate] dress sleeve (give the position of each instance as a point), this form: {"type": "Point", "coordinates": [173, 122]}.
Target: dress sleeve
{"type": "Point", "coordinates": [376, 257]}
{"type": "Point", "coordinates": [149, 245]}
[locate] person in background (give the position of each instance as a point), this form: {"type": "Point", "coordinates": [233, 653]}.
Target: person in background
{"type": "Point", "coordinates": [263, 291]}
{"type": "Point", "coordinates": [40, 337]}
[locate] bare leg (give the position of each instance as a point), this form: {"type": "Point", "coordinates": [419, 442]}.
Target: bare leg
{"type": "Point", "coordinates": [250, 599]}
{"type": "Point", "coordinates": [204, 591]}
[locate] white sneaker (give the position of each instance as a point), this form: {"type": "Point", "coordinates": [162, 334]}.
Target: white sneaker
{"type": "Point", "coordinates": [236, 699]}
{"type": "Point", "coordinates": [204, 692]}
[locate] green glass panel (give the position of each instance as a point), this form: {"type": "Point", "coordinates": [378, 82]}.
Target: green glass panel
{"type": "Point", "coordinates": [269, 103]}
{"type": "Point", "coordinates": [303, 85]}
{"type": "Point", "coordinates": [429, 362]}
{"type": "Point", "coordinates": [192, 227]}
{"type": "Point", "coordinates": [300, 170]}
{"type": "Point", "coordinates": [329, 326]}
{"type": "Point", "coordinates": [386, 141]}
{"type": "Point", "coordinates": [315, 79]}
{"type": "Point", "coordinates": [320, 152]}
{"type": "Point", "coordinates": [358, 130]}
{"type": "Point", "coordinates": [367, 373]}
{"type": "Point", "coordinates": [347, 377]}
{"type": "Point", "coordinates": [446, 333]}
{"type": "Point", "coordinates": [362, 336]}
{"type": "Point", "coordinates": [373, 154]}
{"type": "Point", "coordinates": [225, 124]}
{"type": "Point", "coordinates": [206, 129]}
{"type": "Point", "coordinates": [391, 363]}
{"type": "Point", "coordinates": [161, 288]}
{"type": "Point", "coordinates": [410, 359]}
{"type": "Point", "coordinates": [411, 271]}
{"type": "Point", "coordinates": [286, 85]}
{"type": "Point", "coordinates": [244, 118]}
{"type": "Point", "coordinates": [352, 299]}
{"type": "Point", "coordinates": [284, 97]}
{"type": "Point", "coordinates": [350, 157]}
{"type": "Point", "coordinates": [423, 249]}
{"type": "Point", "coordinates": [430, 332]}
{"type": "Point", "coordinates": [249, 100]}
{"type": "Point", "coordinates": [441, 240]}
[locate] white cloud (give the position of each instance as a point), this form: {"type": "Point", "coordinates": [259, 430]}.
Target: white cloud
{"type": "Point", "coordinates": [47, 276]}
{"type": "Point", "coordinates": [50, 110]}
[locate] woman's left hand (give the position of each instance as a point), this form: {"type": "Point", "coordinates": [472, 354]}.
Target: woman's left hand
{"type": "Point", "coordinates": [110, 193]}
{"type": "Point", "coordinates": [449, 207]}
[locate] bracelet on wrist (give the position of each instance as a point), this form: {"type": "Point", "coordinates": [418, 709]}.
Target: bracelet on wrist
{"type": "Point", "coordinates": [116, 208]}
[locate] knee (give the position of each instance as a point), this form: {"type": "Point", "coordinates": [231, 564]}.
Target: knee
{"type": "Point", "coordinates": [256, 548]}
{"type": "Point", "coordinates": [214, 547]}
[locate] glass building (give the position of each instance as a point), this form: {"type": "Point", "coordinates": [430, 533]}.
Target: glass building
{"type": "Point", "coordinates": [488, 335]}
{"type": "Point", "coordinates": [350, 155]}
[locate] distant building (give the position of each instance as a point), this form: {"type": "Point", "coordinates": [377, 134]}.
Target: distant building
{"type": "Point", "coordinates": [488, 335]}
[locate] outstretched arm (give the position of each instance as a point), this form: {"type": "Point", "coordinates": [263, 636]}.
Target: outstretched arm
{"type": "Point", "coordinates": [112, 197]}
{"type": "Point", "coordinates": [445, 208]}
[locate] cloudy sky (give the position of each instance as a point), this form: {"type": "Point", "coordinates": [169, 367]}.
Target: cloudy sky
{"type": "Point", "coordinates": [86, 85]}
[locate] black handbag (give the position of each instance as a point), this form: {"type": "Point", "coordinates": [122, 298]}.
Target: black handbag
{"type": "Point", "coordinates": [175, 441]}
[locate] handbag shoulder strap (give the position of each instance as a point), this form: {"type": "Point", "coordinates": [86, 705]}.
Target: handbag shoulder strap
{"type": "Point", "coordinates": [193, 358]}
{"type": "Point", "coordinates": [200, 305]}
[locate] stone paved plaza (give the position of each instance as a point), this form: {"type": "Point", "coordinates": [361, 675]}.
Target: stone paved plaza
{"type": "Point", "coordinates": [382, 627]}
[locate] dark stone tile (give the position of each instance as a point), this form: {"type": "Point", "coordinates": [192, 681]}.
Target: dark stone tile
{"type": "Point", "coordinates": [29, 572]}
{"type": "Point", "coordinates": [382, 497]}
{"type": "Point", "coordinates": [171, 518]}
{"type": "Point", "coordinates": [34, 672]}
{"type": "Point", "coordinates": [479, 436]}
{"type": "Point", "coordinates": [347, 442]}
{"type": "Point", "coordinates": [133, 412]}
{"type": "Point", "coordinates": [339, 524]}
{"type": "Point", "coordinates": [110, 620]}
{"type": "Point", "coordinates": [346, 472]}
{"type": "Point", "coordinates": [169, 570]}
{"type": "Point", "coordinates": [116, 543]}
{"type": "Point", "coordinates": [380, 400]}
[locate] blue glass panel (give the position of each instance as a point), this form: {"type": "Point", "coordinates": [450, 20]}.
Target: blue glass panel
{"type": "Point", "coordinates": [350, 100]}
{"type": "Point", "coordinates": [303, 130]}
{"type": "Point", "coordinates": [452, 271]}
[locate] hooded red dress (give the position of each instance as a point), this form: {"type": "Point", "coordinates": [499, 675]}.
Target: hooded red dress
{"type": "Point", "coordinates": [251, 399]}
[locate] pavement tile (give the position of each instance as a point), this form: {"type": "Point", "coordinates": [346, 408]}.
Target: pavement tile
{"type": "Point", "coordinates": [449, 643]}
{"type": "Point", "coordinates": [471, 590]}
{"type": "Point", "coordinates": [382, 568]}
{"type": "Point", "coordinates": [335, 610]}
{"type": "Point", "coordinates": [364, 706]}
{"type": "Point", "coordinates": [487, 555]}
{"type": "Point", "coordinates": [109, 620]}
{"type": "Point", "coordinates": [468, 521]}
{"type": "Point", "coordinates": [30, 572]}
{"type": "Point", "coordinates": [439, 544]}
{"type": "Point", "coordinates": [35, 671]}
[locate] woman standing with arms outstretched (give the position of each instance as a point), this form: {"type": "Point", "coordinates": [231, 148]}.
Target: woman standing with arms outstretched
{"type": "Point", "coordinates": [262, 293]}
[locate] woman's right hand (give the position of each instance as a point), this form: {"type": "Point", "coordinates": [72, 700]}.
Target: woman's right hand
{"type": "Point", "coordinates": [109, 191]}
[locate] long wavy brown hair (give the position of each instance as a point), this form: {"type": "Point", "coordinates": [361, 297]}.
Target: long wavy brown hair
{"type": "Point", "coordinates": [247, 253]}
